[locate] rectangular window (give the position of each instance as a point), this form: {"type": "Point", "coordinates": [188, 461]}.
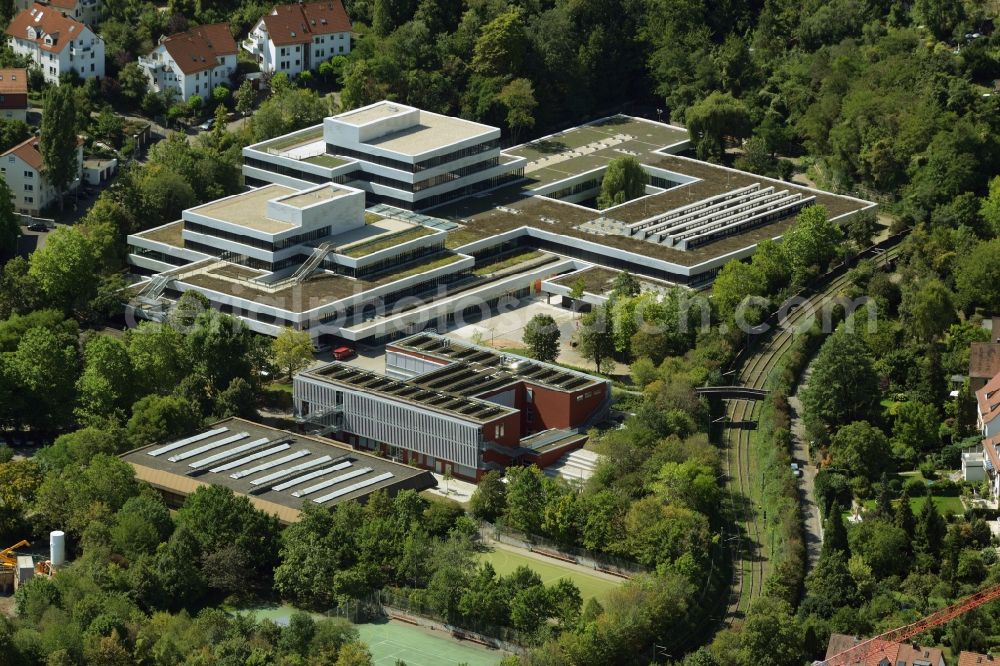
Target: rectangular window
{"type": "Point", "coordinates": [29, 174]}
{"type": "Point", "coordinates": [529, 395]}
{"type": "Point", "coordinates": [28, 187]}
{"type": "Point", "coordinates": [29, 200]}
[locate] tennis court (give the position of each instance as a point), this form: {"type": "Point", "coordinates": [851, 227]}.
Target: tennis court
{"type": "Point", "coordinates": [390, 641]}
{"type": "Point", "coordinates": [505, 561]}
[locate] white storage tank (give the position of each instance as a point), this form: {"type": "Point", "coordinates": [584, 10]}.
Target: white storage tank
{"type": "Point", "coordinates": [57, 548]}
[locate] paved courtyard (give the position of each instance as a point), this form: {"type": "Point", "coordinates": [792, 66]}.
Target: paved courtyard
{"type": "Point", "coordinates": [506, 331]}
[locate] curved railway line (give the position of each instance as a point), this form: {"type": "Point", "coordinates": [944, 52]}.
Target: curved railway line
{"type": "Point", "coordinates": [750, 564]}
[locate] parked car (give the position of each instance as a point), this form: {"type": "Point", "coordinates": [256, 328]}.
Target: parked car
{"type": "Point", "coordinates": [207, 125]}
{"type": "Point", "coordinates": [38, 226]}
{"type": "Point", "coordinates": [341, 353]}
{"type": "Point", "coordinates": [796, 470]}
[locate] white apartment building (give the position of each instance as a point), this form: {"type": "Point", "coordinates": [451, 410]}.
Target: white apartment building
{"type": "Point", "coordinates": [84, 11]}
{"type": "Point", "coordinates": [296, 38]}
{"type": "Point", "coordinates": [192, 63]}
{"type": "Point", "coordinates": [56, 43]}
{"type": "Point", "coordinates": [24, 171]}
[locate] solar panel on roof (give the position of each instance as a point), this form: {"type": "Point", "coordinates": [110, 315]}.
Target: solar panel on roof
{"type": "Point", "coordinates": [330, 482]}
{"type": "Point", "coordinates": [350, 489]}
{"type": "Point", "coordinates": [289, 470]}
{"type": "Point", "coordinates": [229, 452]}
{"type": "Point", "coordinates": [311, 475]}
{"type": "Point", "coordinates": [250, 458]}
{"type": "Point", "coordinates": [184, 442]}
{"type": "Point", "coordinates": [269, 464]}
{"type": "Point", "coordinates": [208, 447]}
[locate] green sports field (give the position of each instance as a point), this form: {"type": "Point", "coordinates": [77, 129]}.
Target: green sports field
{"type": "Point", "coordinates": [392, 641]}
{"type": "Point", "coordinates": [505, 561]}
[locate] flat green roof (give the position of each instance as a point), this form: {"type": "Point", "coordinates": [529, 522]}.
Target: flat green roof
{"type": "Point", "coordinates": [587, 147]}
{"type": "Point", "coordinates": [508, 208]}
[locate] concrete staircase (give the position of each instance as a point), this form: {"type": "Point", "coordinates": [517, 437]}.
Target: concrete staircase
{"type": "Point", "coordinates": [312, 263]}
{"type": "Point", "coordinates": [576, 465]}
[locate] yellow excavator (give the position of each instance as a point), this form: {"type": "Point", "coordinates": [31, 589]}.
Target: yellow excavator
{"type": "Point", "coordinates": [7, 556]}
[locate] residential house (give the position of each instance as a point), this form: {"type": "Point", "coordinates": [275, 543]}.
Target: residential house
{"type": "Point", "coordinates": [966, 658]}
{"type": "Point", "coordinates": [988, 408]}
{"type": "Point", "coordinates": [984, 358]}
{"type": "Point", "coordinates": [973, 465]}
{"type": "Point", "coordinates": [84, 11]}
{"type": "Point", "coordinates": [56, 43]}
{"type": "Point", "coordinates": [991, 463]}
{"type": "Point", "coordinates": [296, 38]}
{"type": "Point", "coordinates": [24, 170]}
{"type": "Point", "coordinates": [887, 653]}
{"type": "Point", "coordinates": [14, 94]}
{"type": "Point", "coordinates": [192, 63]}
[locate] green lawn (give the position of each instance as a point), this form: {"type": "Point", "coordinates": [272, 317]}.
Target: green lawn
{"type": "Point", "coordinates": [507, 262]}
{"type": "Point", "coordinates": [945, 505]}
{"type": "Point", "coordinates": [505, 561]}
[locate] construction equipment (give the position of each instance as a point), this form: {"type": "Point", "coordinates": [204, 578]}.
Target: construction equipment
{"type": "Point", "coordinates": [860, 653]}
{"type": "Point", "coordinates": [7, 556]}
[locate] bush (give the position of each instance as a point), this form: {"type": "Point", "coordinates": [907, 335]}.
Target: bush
{"type": "Point", "coordinates": [928, 470]}
{"type": "Point", "coordinates": [915, 487]}
{"type": "Point", "coordinates": [945, 488]}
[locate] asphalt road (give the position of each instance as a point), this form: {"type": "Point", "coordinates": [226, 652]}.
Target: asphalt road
{"type": "Point", "coordinates": [812, 519]}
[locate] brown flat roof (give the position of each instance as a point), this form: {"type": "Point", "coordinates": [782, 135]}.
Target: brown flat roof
{"type": "Point", "coordinates": [984, 359]}
{"type": "Point", "coordinates": [309, 294]}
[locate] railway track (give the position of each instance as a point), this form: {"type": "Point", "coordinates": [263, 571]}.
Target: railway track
{"type": "Point", "coordinates": [750, 563]}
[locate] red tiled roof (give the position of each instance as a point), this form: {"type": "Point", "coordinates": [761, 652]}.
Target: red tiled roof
{"type": "Point", "coordinates": [63, 4]}
{"type": "Point", "coordinates": [990, 449]}
{"type": "Point", "coordinates": [49, 22]}
{"type": "Point", "coordinates": [28, 151]}
{"type": "Point", "coordinates": [890, 653]}
{"type": "Point", "coordinates": [974, 659]}
{"type": "Point", "coordinates": [14, 81]}
{"type": "Point", "coordinates": [296, 24]}
{"type": "Point", "coordinates": [988, 398]}
{"type": "Point", "coordinates": [984, 359]}
{"type": "Point", "coordinates": [197, 49]}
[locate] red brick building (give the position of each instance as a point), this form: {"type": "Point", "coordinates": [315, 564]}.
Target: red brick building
{"type": "Point", "coordinates": [451, 406]}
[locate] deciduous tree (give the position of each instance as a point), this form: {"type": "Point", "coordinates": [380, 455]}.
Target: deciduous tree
{"type": "Point", "coordinates": [624, 180]}
{"type": "Point", "coordinates": [292, 351]}
{"type": "Point", "coordinates": [58, 141]}
{"type": "Point", "coordinates": [595, 337]}
{"type": "Point", "coordinates": [843, 386]}
{"type": "Point", "coordinates": [541, 334]}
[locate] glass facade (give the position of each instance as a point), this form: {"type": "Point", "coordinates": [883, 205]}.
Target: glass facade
{"type": "Point", "coordinates": [258, 243]}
